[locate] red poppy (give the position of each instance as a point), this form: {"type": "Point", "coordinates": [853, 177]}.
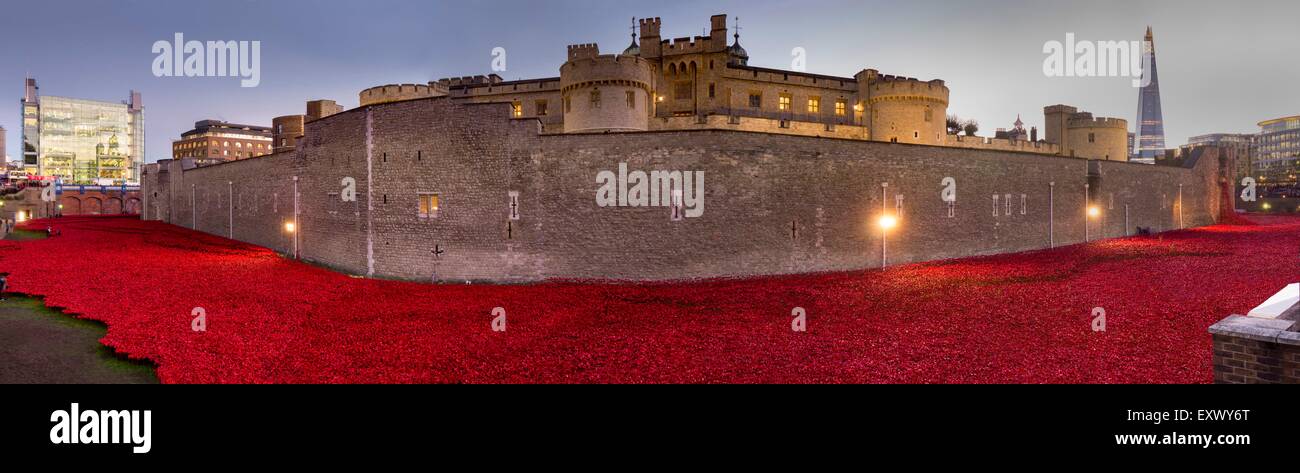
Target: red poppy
{"type": "Point", "coordinates": [1008, 318]}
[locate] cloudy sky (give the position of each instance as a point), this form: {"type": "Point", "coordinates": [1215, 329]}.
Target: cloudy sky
{"type": "Point", "coordinates": [1224, 66]}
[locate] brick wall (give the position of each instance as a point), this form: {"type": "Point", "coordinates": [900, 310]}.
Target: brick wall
{"type": "Point", "coordinates": [1250, 350]}
{"type": "Point", "coordinates": [774, 204]}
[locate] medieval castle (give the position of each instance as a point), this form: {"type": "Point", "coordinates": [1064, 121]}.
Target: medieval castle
{"type": "Point", "coordinates": [476, 178]}
{"type": "Point", "coordinates": [702, 82]}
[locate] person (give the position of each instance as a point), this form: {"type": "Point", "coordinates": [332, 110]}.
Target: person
{"type": "Point", "coordinates": [4, 284]}
{"type": "Point", "coordinates": [49, 231]}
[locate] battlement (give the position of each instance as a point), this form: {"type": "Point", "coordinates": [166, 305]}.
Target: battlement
{"type": "Point", "coordinates": [1089, 121]}
{"type": "Point", "coordinates": [608, 68]}
{"type": "Point", "coordinates": [887, 87]}
{"type": "Point", "coordinates": [1066, 109]}
{"type": "Point", "coordinates": [583, 51]}
{"type": "Point", "coordinates": [650, 27]}
{"type": "Point", "coordinates": [397, 92]}
{"type": "Point", "coordinates": [469, 80]}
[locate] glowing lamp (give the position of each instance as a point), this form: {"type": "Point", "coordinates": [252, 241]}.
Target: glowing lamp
{"type": "Point", "coordinates": [1093, 211]}
{"type": "Point", "coordinates": [887, 222]}
{"type": "Point", "coordinates": [290, 227]}
{"type": "Point", "coordinates": [1266, 206]}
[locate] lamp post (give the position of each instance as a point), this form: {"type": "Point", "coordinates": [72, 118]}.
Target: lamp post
{"type": "Point", "coordinates": [1180, 207]}
{"type": "Point", "coordinates": [232, 208]}
{"type": "Point", "coordinates": [1051, 214]}
{"type": "Point", "coordinates": [886, 222]}
{"type": "Point", "coordinates": [1087, 209]}
{"type": "Point", "coordinates": [294, 225]}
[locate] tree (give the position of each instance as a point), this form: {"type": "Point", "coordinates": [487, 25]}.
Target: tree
{"type": "Point", "coordinates": [954, 125]}
{"type": "Point", "coordinates": [970, 127]}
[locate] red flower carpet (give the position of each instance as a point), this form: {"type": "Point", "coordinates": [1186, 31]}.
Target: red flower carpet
{"type": "Point", "coordinates": [1022, 318]}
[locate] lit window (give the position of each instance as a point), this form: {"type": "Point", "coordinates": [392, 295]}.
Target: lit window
{"type": "Point", "coordinates": [785, 101]}
{"type": "Point", "coordinates": [517, 109]}
{"type": "Point", "coordinates": [428, 205]}
{"type": "Point", "coordinates": [841, 107]}
{"type": "Point", "coordinates": [815, 105]}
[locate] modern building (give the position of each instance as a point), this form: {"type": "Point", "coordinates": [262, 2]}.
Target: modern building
{"type": "Point", "coordinates": [82, 141]}
{"type": "Point", "coordinates": [1277, 150]}
{"type": "Point", "coordinates": [1150, 127]}
{"type": "Point", "coordinates": [4, 153]}
{"type": "Point", "coordinates": [216, 141]}
{"type": "Point", "coordinates": [1241, 144]}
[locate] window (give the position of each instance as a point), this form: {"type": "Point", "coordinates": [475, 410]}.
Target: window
{"type": "Point", "coordinates": [682, 90]}
{"type": "Point", "coordinates": [814, 105]}
{"type": "Point", "coordinates": [929, 115]}
{"type": "Point", "coordinates": [517, 109]}
{"type": "Point", "coordinates": [631, 99]}
{"type": "Point", "coordinates": [1023, 204]}
{"type": "Point", "coordinates": [595, 98]}
{"type": "Point", "coordinates": [784, 102]}
{"type": "Point", "coordinates": [1092, 137]}
{"type": "Point", "coordinates": [841, 107]}
{"type": "Point", "coordinates": [711, 93]}
{"type": "Point", "coordinates": [541, 108]}
{"type": "Point", "coordinates": [755, 100]}
{"type": "Point", "coordinates": [428, 205]}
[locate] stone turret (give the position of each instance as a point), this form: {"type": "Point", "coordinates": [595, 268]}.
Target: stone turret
{"type": "Point", "coordinates": [605, 93]}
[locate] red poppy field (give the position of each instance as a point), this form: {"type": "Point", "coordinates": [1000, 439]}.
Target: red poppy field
{"type": "Point", "coordinates": [1022, 318]}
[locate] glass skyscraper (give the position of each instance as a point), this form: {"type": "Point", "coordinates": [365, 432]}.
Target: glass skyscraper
{"type": "Point", "coordinates": [82, 141]}
{"type": "Point", "coordinates": [1149, 139]}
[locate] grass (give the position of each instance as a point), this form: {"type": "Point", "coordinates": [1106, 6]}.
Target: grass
{"type": "Point", "coordinates": [42, 345]}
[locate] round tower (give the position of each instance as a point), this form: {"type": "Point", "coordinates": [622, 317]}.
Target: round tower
{"type": "Point", "coordinates": [605, 93]}
{"type": "Point", "coordinates": [906, 110]}
{"type": "Point", "coordinates": [397, 93]}
{"type": "Point", "coordinates": [1097, 138]}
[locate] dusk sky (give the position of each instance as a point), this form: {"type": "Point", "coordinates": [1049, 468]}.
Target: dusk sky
{"type": "Point", "coordinates": [1224, 66]}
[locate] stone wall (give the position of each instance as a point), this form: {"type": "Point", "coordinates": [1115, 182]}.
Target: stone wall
{"type": "Point", "coordinates": [773, 204]}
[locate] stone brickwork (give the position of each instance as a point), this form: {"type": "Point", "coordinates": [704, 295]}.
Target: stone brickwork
{"type": "Point", "coordinates": [1249, 350]}
{"type": "Point", "coordinates": [515, 204]}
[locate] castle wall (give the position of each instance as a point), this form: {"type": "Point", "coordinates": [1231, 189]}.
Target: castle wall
{"type": "Point", "coordinates": [773, 203]}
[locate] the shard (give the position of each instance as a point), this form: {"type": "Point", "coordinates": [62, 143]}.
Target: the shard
{"type": "Point", "coordinates": [1150, 133]}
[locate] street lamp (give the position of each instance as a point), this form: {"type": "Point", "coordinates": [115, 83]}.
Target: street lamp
{"type": "Point", "coordinates": [887, 222]}
{"type": "Point", "coordinates": [1093, 211]}
{"type": "Point", "coordinates": [289, 227]}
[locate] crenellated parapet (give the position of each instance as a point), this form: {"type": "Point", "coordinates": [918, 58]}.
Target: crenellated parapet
{"type": "Point", "coordinates": [399, 92]}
